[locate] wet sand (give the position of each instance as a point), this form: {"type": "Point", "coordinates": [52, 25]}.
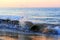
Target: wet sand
{"type": "Point", "coordinates": [7, 38]}
{"type": "Point", "coordinates": [41, 38]}
{"type": "Point", "coordinates": [49, 37]}
{"type": "Point", "coordinates": [29, 38]}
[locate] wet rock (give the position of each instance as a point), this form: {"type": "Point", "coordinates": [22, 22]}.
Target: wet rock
{"type": "Point", "coordinates": [38, 27]}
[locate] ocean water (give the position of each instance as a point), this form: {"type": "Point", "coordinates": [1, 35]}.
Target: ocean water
{"type": "Point", "coordinates": [35, 15]}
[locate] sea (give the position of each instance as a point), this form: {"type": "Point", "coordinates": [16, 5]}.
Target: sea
{"type": "Point", "coordinates": [35, 15]}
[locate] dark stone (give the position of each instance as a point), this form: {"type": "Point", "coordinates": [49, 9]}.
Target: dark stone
{"type": "Point", "coordinates": [38, 27]}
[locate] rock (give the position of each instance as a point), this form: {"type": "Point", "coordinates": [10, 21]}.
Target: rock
{"type": "Point", "coordinates": [38, 27]}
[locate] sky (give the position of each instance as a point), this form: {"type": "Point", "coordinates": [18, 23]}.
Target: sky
{"type": "Point", "coordinates": [29, 3]}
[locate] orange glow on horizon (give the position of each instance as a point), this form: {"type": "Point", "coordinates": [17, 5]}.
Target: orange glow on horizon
{"type": "Point", "coordinates": [29, 3]}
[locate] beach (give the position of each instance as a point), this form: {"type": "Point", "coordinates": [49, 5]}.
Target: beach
{"type": "Point", "coordinates": [7, 38]}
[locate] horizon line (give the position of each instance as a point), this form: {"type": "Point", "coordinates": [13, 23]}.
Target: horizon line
{"type": "Point", "coordinates": [29, 7]}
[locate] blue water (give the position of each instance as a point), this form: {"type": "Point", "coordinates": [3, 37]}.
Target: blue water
{"type": "Point", "coordinates": [38, 15]}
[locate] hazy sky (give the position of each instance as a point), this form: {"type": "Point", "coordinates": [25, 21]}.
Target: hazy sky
{"type": "Point", "coordinates": [29, 3]}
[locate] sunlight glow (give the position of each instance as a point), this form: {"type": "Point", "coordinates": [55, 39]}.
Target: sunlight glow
{"type": "Point", "coordinates": [29, 3]}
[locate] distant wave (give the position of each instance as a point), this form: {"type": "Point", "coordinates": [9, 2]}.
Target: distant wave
{"type": "Point", "coordinates": [38, 15]}
{"type": "Point", "coordinates": [10, 17]}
